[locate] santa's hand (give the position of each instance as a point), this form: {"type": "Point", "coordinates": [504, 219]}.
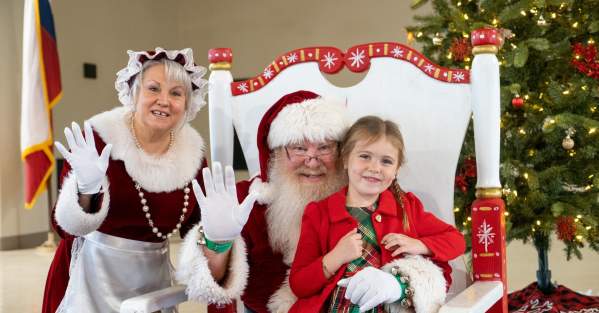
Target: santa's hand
{"type": "Point", "coordinates": [89, 167]}
{"type": "Point", "coordinates": [223, 217]}
{"type": "Point", "coordinates": [370, 288]}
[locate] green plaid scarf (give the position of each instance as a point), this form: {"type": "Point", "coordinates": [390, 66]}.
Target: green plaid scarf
{"type": "Point", "coordinates": [371, 256]}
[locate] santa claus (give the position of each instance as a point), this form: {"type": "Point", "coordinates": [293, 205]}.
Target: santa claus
{"type": "Point", "coordinates": [246, 249]}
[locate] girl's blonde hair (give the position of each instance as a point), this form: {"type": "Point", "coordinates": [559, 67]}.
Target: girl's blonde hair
{"type": "Point", "coordinates": [372, 128]}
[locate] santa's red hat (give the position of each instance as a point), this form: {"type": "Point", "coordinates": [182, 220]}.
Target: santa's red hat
{"type": "Point", "coordinates": [296, 117]}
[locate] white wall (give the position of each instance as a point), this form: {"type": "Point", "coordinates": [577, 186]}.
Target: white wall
{"type": "Point", "coordinates": [258, 31]}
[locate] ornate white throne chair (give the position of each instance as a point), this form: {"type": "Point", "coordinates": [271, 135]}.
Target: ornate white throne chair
{"type": "Point", "coordinates": [433, 107]}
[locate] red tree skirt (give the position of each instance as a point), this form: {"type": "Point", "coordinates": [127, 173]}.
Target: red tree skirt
{"type": "Point", "coordinates": [562, 300]}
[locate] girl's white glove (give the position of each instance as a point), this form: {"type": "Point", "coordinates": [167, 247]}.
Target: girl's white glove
{"type": "Point", "coordinates": [89, 167]}
{"type": "Point", "coordinates": [371, 287]}
{"type": "Point", "coordinates": [223, 217]}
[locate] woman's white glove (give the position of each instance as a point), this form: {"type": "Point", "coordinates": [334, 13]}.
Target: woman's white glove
{"type": "Point", "coordinates": [89, 168]}
{"type": "Point", "coordinates": [223, 217]}
{"type": "Point", "coordinates": [371, 287]}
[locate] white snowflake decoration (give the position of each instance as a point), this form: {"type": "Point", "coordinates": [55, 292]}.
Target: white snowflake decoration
{"type": "Point", "coordinates": [329, 60]}
{"type": "Point", "coordinates": [397, 52]}
{"type": "Point", "coordinates": [268, 73]}
{"type": "Point", "coordinates": [357, 58]}
{"type": "Point", "coordinates": [429, 68]}
{"type": "Point", "coordinates": [243, 87]}
{"type": "Point", "coordinates": [485, 235]}
{"type": "Point", "coordinates": [459, 76]}
{"type": "Point", "coordinates": [292, 58]}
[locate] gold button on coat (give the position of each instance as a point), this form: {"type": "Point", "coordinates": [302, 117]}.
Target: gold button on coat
{"type": "Point", "coordinates": [378, 218]}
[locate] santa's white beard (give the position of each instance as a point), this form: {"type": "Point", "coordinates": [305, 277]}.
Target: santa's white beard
{"type": "Point", "coordinates": [290, 197]}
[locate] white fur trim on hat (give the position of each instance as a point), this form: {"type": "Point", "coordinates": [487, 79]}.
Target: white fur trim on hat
{"type": "Point", "coordinates": [263, 190]}
{"type": "Point", "coordinates": [171, 171]}
{"type": "Point", "coordinates": [134, 66]}
{"type": "Point", "coordinates": [71, 216]}
{"type": "Point", "coordinates": [315, 120]}
{"type": "Point", "coordinates": [283, 299]}
{"type": "Point", "coordinates": [427, 280]}
{"type": "Point", "coordinates": [193, 271]}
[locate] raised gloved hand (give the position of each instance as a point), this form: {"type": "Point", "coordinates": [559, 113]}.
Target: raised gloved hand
{"type": "Point", "coordinates": [371, 287]}
{"type": "Point", "coordinates": [223, 217]}
{"type": "Point", "coordinates": [89, 167]}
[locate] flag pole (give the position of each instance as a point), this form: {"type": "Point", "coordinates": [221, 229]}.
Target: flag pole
{"type": "Point", "coordinates": [49, 245]}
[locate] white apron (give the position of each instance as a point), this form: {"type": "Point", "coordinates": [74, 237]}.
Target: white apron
{"type": "Point", "coordinates": [106, 270]}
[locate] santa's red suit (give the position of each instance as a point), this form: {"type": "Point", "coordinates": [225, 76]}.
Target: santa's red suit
{"type": "Point", "coordinates": [120, 214]}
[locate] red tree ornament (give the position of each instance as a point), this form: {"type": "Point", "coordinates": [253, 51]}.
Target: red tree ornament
{"type": "Point", "coordinates": [470, 167]}
{"type": "Point", "coordinates": [460, 49]}
{"type": "Point", "coordinates": [517, 102]}
{"type": "Point", "coordinates": [584, 59]}
{"type": "Point", "coordinates": [466, 174]}
{"type": "Point", "coordinates": [566, 230]}
{"type": "Point", "coordinates": [461, 183]}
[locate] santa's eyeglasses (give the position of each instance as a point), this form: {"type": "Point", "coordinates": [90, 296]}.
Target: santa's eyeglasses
{"type": "Point", "coordinates": [307, 152]}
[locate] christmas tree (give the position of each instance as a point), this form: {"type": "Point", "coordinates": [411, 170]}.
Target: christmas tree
{"type": "Point", "coordinates": [550, 114]}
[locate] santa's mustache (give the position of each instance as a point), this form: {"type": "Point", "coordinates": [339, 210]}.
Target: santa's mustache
{"type": "Point", "coordinates": [321, 170]}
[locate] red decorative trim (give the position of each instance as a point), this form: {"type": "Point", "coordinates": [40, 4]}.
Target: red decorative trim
{"type": "Point", "coordinates": [488, 245]}
{"type": "Point", "coordinates": [357, 58]}
{"type": "Point", "coordinates": [486, 36]}
{"type": "Point", "coordinates": [218, 55]}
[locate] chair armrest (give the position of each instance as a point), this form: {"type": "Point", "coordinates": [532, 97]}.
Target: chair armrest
{"type": "Point", "coordinates": [155, 301]}
{"type": "Point", "coordinates": [479, 297]}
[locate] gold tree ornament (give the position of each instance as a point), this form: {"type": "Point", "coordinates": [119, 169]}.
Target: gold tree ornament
{"type": "Point", "coordinates": [568, 142]}
{"type": "Point", "coordinates": [410, 38]}
{"type": "Point", "coordinates": [437, 39]}
{"type": "Point", "coordinates": [507, 33]}
{"type": "Point", "coordinates": [541, 21]}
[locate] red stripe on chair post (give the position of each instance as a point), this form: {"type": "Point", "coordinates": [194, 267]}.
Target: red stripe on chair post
{"type": "Point", "coordinates": [488, 245]}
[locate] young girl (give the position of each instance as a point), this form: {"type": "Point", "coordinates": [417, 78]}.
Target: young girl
{"type": "Point", "coordinates": [370, 247]}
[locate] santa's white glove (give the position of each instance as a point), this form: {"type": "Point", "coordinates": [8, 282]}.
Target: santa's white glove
{"type": "Point", "coordinates": [88, 166]}
{"type": "Point", "coordinates": [223, 217]}
{"type": "Point", "coordinates": [371, 287]}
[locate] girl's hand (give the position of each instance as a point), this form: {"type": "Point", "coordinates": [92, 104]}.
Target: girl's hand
{"type": "Point", "coordinates": [348, 248]}
{"type": "Point", "coordinates": [401, 243]}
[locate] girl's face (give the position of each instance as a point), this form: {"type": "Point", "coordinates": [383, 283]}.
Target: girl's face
{"type": "Point", "coordinates": [161, 103]}
{"type": "Point", "coordinates": [371, 168]}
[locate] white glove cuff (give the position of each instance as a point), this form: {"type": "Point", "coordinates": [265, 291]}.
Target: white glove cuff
{"type": "Point", "coordinates": [193, 270]}
{"type": "Point", "coordinates": [71, 216]}
{"type": "Point", "coordinates": [425, 278]}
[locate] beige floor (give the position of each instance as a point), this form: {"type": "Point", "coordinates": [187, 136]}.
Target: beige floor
{"type": "Point", "coordinates": [23, 273]}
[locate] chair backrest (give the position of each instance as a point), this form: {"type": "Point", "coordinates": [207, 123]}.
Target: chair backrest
{"type": "Point", "coordinates": [431, 104]}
